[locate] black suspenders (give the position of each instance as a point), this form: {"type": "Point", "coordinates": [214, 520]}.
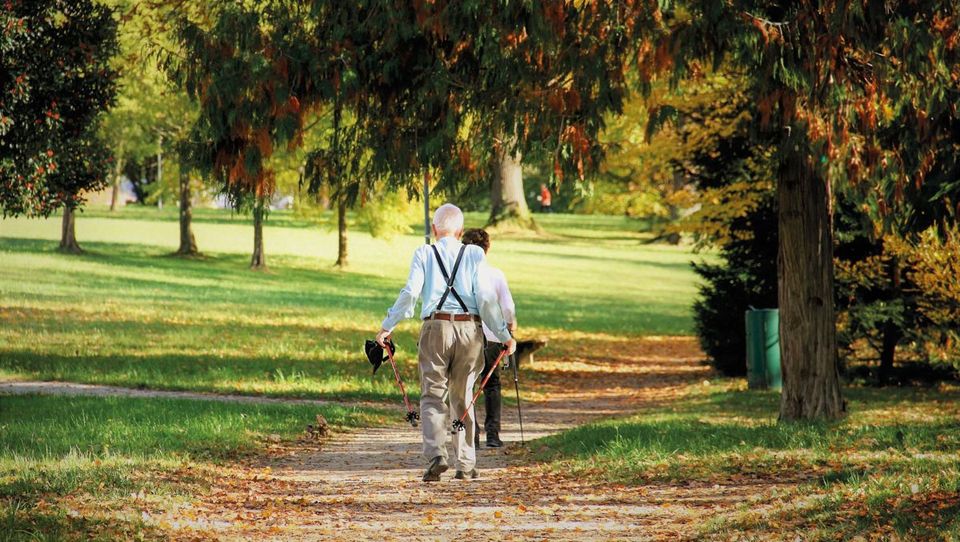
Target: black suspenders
{"type": "Point", "coordinates": [449, 278]}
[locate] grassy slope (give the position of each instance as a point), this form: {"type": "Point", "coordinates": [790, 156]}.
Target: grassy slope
{"type": "Point", "coordinates": [892, 465]}
{"type": "Point", "coordinates": [126, 314]}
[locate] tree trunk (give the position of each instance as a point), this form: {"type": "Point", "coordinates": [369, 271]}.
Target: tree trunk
{"type": "Point", "coordinates": [68, 232]}
{"type": "Point", "coordinates": [188, 244]}
{"type": "Point", "coordinates": [160, 171]}
{"type": "Point", "coordinates": [342, 233]}
{"type": "Point", "coordinates": [258, 262]}
{"type": "Point", "coordinates": [508, 205]}
{"type": "Point", "coordinates": [892, 333]}
{"type": "Point", "coordinates": [117, 176]}
{"type": "Point", "coordinates": [808, 342]}
{"type": "Point", "coordinates": [888, 352]}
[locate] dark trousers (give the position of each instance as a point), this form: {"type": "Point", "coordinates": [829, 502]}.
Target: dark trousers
{"type": "Point", "coordinates": [491, 392]}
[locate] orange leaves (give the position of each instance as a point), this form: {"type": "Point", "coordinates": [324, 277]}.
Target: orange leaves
{"type": "Point", "coordinates": [564, 100]}
{"type": "Point", "coordinates": [236, 171]}
{"type": "Point", "coordinates": [261, 139]}
{"type": "Point", "coordinates": [576, 136]}
{"type": "Point", "coordinates": [644, 50]}
{"type": "Point", "coordinates": [554, 12]}
{"type": "Point", "coordinates": [762, 28]}
{"type": "Point", "coordinates": [555, 101]}
{"type": "Point", "coordinates": [579, 143]}
{"type": "Point", "coordinates": [515, 38]}
{"type": "Point", "coordinates": [949, 28]}
{"type": "Point", "coordinates": [429, 17]}
{"type": "Point", "coordinates": [663, 58]}
{"type": "Point", "coordinates": [466, 161]}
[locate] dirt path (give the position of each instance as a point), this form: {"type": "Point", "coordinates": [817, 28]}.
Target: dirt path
{"type": "Point", "coordinates": [365, 485]}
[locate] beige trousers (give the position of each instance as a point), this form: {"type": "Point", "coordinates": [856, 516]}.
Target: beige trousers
{"type": "Point", "coordinates": [451, 358]}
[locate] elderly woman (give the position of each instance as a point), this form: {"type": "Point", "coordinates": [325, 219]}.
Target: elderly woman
{"type": "Point", "coordinates": [491, 392]}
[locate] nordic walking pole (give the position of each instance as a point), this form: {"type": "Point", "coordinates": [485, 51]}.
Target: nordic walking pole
{"type": "Point", "coordinates": [458, 424]}
{"type": "Point", "coordinates": [516, 386]}
{"type": "Point", "coordinates": [412, 415]}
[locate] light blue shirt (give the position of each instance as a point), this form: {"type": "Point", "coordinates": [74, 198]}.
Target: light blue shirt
{"type": "Point", "coordinates": [472, 282]}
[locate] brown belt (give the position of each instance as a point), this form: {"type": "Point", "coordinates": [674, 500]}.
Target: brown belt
{"type": "Point", "coordinates": [453, 317]}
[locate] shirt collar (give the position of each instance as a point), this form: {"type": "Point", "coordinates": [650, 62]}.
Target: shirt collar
{"type": "Point", "coordinates": [448, 241]}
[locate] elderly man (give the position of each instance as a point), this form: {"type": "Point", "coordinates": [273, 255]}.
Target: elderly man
{"type": "Point", "coordinates": [453, 281]}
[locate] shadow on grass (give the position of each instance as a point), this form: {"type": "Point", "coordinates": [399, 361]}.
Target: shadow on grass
{"type": "Point", "coordinates": [887, 467]}
{"type": "Point", "coordinates": [745, 422]}
{"type": "Point", "coordinates": [257, 376]}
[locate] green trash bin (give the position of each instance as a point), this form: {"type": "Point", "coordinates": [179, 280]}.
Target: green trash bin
{"type": "Point", "coordinates": [763, 349]}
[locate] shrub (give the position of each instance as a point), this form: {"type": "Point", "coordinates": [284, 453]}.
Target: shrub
{"type": "Point", "coordinates": [747, 277]}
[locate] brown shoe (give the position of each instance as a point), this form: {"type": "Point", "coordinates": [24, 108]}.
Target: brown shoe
{"type": "Point", "coordinates": [460, 475]}
{"type": "Point", "coordinates": [437, 467]}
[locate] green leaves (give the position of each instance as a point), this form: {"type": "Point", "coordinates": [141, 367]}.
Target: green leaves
{"type": "Point", "coordinates": [56, 67]}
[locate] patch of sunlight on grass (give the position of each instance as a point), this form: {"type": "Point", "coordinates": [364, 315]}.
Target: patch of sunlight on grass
{"type": "Point", "coordinates": [127, 314]}
{"type": "Point", "coordinates": [890, 468]}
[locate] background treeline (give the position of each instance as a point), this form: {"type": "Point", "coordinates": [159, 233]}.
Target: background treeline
{"type": "Point", "coordinates": [756, 129]}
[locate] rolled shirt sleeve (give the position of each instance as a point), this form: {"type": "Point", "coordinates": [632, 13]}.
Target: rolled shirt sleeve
{"type": "Point", "coordinates": [407, 300]}
{"type": "Point", "coordinates": [507, 306]}
{"type": "Point", "coordinates": [489, 304]}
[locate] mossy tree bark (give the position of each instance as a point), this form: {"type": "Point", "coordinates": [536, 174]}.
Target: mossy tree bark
{"type": "Point", "coordinates": [808, 341]}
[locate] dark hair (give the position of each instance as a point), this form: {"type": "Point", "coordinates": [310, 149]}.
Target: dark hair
{"type": "Point", "coordinates": [477, 236]}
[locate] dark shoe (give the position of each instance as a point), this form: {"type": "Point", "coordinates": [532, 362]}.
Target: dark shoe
{"type": "Point", "coordinates": [437, 467]}
{"type": "Point", "coordinates": [493, 440]}
{"type": "Point", "coordinates": [460, 475]}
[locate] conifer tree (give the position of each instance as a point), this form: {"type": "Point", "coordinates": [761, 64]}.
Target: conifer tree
{"type": "Point", "coordinates": [859, 96]}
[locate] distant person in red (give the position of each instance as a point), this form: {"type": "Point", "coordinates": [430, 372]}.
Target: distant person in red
{"type": "Point", "coordinates": [544, 198]}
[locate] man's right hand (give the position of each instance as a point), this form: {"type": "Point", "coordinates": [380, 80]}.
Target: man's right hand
{"type": "Point", "coordinates": [511, 346]}
{"type": "Point", "coordinates": [382, 336]}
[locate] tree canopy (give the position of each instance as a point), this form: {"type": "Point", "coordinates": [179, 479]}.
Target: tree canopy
{"type": "Point", "coordinates": [55, 79]}
{"type": "Point", "coordinates": [425, 86]}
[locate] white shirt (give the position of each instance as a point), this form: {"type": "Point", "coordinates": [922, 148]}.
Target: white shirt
{"type": "Point", "coordinates": [499, 283]}
{"type": "Point", "coordinates": [472, 282]}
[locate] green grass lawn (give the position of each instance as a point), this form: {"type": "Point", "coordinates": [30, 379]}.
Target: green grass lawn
{"type": "Point", "coordinates": [127, 314]}
{"type": "Point", "coordinates": [62, 447]}
{"type": "Point", "coordinates": [893, 465]}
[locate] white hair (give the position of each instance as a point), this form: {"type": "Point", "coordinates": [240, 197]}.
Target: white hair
{"type": "Point", "coordinates": [448, 219]}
